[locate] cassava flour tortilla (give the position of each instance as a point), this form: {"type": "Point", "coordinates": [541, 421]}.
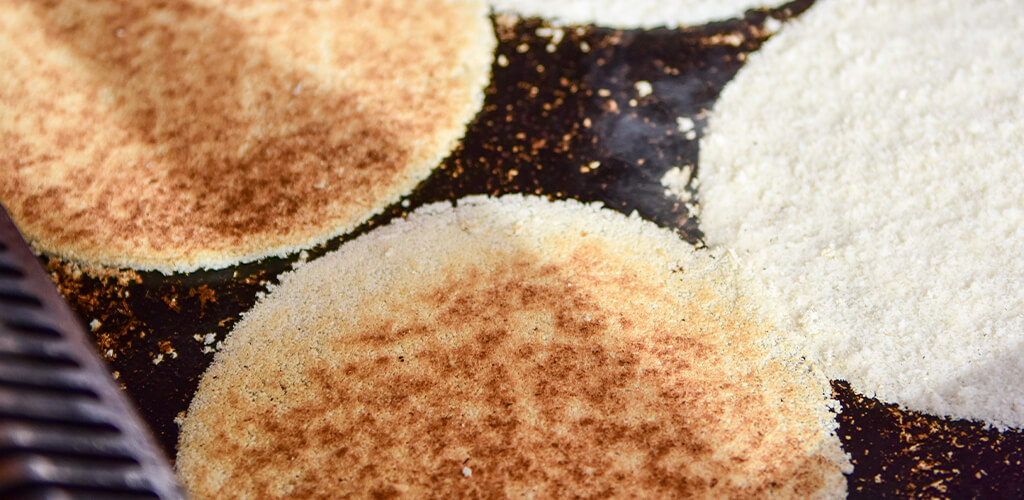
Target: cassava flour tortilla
{"type": "Point", "coordinates": [195, 134]}
{"type": "Point", "coordinates": [510, 347]}
{"type": "Point", "coordinates": [868, 164]}
{"type": "Point", "coordinates": [631, 13]}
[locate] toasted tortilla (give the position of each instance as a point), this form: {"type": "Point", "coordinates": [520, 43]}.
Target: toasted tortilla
{"type": "Point", "coordinates": [198, 134]}
{"type": "Point", "coordinates": [510, 347]}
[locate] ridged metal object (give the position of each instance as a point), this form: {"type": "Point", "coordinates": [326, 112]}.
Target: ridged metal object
{"type": "Point", "coordinates": [66, 429]}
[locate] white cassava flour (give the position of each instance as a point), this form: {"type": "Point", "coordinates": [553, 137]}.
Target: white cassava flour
{"type": "Point", "coordinates": [631, 13]}
{"type": "Point", "coordinates": [868, 162]}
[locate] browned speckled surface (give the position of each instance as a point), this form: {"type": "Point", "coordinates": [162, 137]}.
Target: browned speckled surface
{"type": "Point", "coordinates": [547, 117]}
{"type": "Point", "coordinates": [211, 133]}
{"type": "Point", "coordinates": [621, 391]}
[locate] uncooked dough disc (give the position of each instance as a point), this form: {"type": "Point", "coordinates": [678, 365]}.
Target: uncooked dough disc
{"type": "Point", "coordinates": [868, 163]}
{"type": "Point", "coordinates": [631, 13]}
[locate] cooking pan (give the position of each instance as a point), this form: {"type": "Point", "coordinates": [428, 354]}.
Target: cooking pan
{"type": "Point", "coordinates": [591, 114]}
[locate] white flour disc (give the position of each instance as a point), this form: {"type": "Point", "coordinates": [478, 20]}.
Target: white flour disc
{"type": "Point", "coordinates": [868, 162]}
{"type": "Point", "coordinates": [631, 13]}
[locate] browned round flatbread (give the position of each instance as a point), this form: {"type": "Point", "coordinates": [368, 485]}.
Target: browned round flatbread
{"type": "Point", "coordinates": [512, 347]}
{"type": "Point", "coordinates": [194, 134]}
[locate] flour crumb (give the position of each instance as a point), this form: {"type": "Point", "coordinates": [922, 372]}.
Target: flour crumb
{"type": "Point", "coordinates": [675, 182]}
{"type": "Point", "coordinates": [643, 88]}
{"type": "Point", "coordinates": [772, 25]}
{"type": "Point", "coordinates": [684, 123]}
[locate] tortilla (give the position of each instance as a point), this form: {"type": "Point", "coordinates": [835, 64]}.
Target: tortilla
{"type": "Point", "coordinates": [867, 164]}
{"type": "Point", "coordinates": [198, 134]}
{"type": "Point", "coordinates": [628, 14]}
{"type": "Point", "coordinates": [510, 347]}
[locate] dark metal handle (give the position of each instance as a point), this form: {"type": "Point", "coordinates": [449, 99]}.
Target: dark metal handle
{"type": "Point", "coordinates": [66, 429]}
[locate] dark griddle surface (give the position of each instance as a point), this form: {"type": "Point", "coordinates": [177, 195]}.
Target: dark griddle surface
{"type": "Point", "coordinates": [549, 113]}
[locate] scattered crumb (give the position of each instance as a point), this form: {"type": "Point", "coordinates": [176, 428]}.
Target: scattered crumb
{"type": "Point", "coordinates": [643, 88]}
{"type": "Point", "coordinates": [733, 39]}
{"type": "Point", "coordinates": [684, 123]}
{"type": "Point", "coordinates": [95, 324]}
{"type": "Point", "coordinates": [124, 277]}
{"type": "Point", "coordinates": [302, 260]}
{"type": "Point", "coordinates": [556, 34]}
{"type": "Point", "coordinates": [466, 471]}
{"type": "Point", "coordinates": [676, 180]}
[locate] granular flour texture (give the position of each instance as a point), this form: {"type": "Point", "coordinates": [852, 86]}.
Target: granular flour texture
{"type": "Point", "coordinates": [867, 163]}
{"type": "Point", "coordinates": [511, 347]}
{"type": "Point", "coordinates": [191, 134]}
{"type": "Point", "coordinates": [631, 13]}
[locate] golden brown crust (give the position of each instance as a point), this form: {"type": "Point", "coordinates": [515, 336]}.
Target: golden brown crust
{"type": "Point", "coordinates": [186, 134]}
{"type": "Point", "coordinates": [518, 367]}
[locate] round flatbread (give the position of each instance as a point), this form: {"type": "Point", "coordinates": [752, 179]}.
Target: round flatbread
{"type": "Point", "coordinates": [510, 347]}
{"type": "Point", "coordinates": [199, 134]}
{"type": "Point", "coordinates": [627, 14]}
{"type": "Point", "coordinates": [867, 163]}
